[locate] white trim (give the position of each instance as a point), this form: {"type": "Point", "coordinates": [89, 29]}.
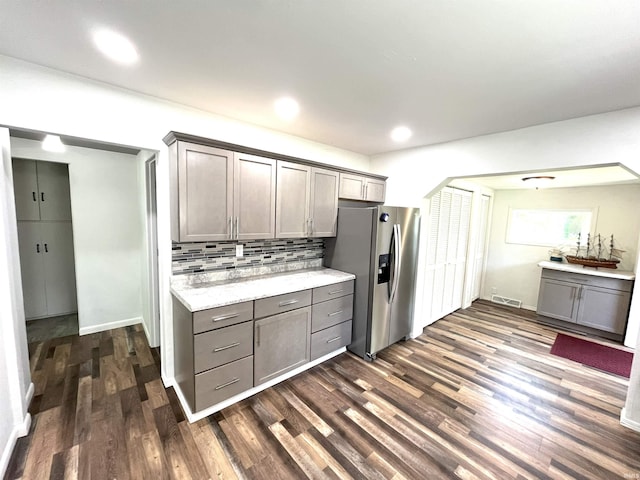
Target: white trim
{"type": "Point", "coordinates": [111, 325]}
{"type": "Point", "coordinates": [29, 395]}
{"type": "Point", "coordinates": [626, 422]}
{"type": "Point", "coordinates": [19, 430]}
{"type": "Point", "coordinates": [194, 417]}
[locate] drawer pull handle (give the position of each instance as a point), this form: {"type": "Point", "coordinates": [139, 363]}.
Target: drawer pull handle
{"type": "Point", "coordinates": [334, 313]}
{"type": "Point", "coordinates": [288, 302]}
{"type": "Point", "coordinates": [334, 339]}
{"type": "Point", "coordinates": [219, 349]}
{"type": "Point", "coordinates": [224, 317]}
{"type": "Point", "coordinates": [235, 380]}
{"type": "Point", "coordinates": [335, 292]}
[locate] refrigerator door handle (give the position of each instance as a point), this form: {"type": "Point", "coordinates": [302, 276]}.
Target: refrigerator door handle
{"type": "Point", "coordinates": [397, 243]}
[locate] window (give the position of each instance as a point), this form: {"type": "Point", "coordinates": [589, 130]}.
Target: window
{"type": "Point", "coordinates": [550, 228]}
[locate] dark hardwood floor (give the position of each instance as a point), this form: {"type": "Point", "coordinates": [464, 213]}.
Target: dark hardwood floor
{"type": "Point", "coordinates": [476, 396]}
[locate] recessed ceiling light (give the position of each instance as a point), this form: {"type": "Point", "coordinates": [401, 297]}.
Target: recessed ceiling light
{"type": "Point", "coordinates": [52, 143]}
{"type": "Point", "coordinates": [401, 134]}
{"type": "Point", "coordinates": [115, 46]}
{"type": "Point", "coordinates": [286, 108]}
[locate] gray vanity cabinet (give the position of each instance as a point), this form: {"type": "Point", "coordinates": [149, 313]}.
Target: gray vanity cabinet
{"type": "Point", "coordinates": [588, 300]}
{"type": "Point", "coordinates": [220, 195]}
{"type": "Point", "coordinates": [360, 187]}
{"type": "Point", "coordinates": [307, 201]}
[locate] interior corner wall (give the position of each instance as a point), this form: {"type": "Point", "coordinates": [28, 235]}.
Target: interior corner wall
{"type": "Point", "coordinates": [107, 232]}
{"type": "Point", "coordinates": [512, 269]}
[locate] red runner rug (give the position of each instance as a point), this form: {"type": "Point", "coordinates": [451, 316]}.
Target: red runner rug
{"type": "Point", "coordinates": [593, 354]}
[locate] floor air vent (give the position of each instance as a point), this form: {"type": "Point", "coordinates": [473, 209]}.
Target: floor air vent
{"type": "Point", "coordinates": [506, 301]}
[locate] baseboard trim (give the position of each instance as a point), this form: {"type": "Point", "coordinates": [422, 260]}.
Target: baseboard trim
{"type": "Point", "coordinates": [626, 422]}
{"type": "Point", "coordinates": [29, 396]}
{"type": "Point", "coordinates": [109, 326]}
{"type": "Point", "coordinates": [19, 430]}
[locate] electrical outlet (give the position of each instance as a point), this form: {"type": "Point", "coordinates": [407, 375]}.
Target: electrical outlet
{"type": "Point", "coordinates": [494, 290]}
{"type": "Point", "coordinates": [239, 251]}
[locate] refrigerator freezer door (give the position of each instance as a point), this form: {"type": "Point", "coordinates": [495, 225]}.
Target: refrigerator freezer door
{"type": "Point", "coordinates": [401, 317]}
{"type": "Point", "coordinates": [380, 311]}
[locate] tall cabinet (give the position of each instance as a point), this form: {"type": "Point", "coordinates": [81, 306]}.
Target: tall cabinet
{"type": "Point", "coordinates": [43, 210]}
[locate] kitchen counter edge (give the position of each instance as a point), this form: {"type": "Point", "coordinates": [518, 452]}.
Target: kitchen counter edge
{"type": "Point", "coordinates": [567, 267]}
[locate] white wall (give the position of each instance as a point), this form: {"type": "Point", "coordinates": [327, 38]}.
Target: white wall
{"type": "Point", "coordinates": [512, 269]}
{"type": "Point", "coordinates": [16, 388]}
{"type": "Point", "coordinates": [39, 98]}
{"type": "Point", "coordinates": [107, 232]}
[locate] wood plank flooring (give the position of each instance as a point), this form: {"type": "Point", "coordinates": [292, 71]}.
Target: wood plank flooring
{"type": "Point", "coordinates": [477, 396]}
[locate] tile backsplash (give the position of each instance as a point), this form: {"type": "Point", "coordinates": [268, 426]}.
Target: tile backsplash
{"type": "Point", "coordinates": [212, 256]}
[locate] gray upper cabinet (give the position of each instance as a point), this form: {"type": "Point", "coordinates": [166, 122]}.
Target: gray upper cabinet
{"type": "Point", "coordinates": [221, 195]}
{"type": "Point", "coordinates": [360, 187]}
{"type": "Point", "coordinates": [41, 190]}
{"type": "Point", "coordinates": [323, 204]}
{"type": "Point", "coordinates": [254, 197]}
{"type": "Point", "coordinates": [202, 206]}
{"type": "Point", "coordinates": [307, 201]}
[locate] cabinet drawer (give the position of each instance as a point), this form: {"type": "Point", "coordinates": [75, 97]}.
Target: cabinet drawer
{"type": "Point", "coordinates": [330, 339]}
{"type": "Point", "coordinates": [328, 292]}
{"type": "Point", "coordinates": [282, 303]}
{"type": "Point", "coordinates": [214, 386]}
{"type": "Point", "coordinates": [332, 312]}
{"type": "Point", "coordinates": [222, 316]}
{"type": "Point", "coordinates": [224, 345]}
{"type": "Point", "coordinates": [591, 280]}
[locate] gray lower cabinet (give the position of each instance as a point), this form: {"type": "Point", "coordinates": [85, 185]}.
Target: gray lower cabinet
{"type": "Point", "coordinates": [591, 301]}
{"type": "Point", "coordinates": [224, 351]}
{"type": "Point", "coordinates": [281, 344]}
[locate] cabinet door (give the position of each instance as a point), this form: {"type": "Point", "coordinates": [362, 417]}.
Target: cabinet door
{"type": "Point", "coordinates": [604, 309]}
{"type": "Point", "coordinates": [32, 267]}
{"type": "Point", "coordinates": [254, 197]}
{"type": "Point", "coordinates": [374, 190]}
{"type": "Point", "coordinates": [205, 191]}
{"type": "Point", "coordinates": [558, 299]}
{"type": "Point", "coordinates": [25, 186]}
{"type": "Point", "coordinates": [351, 186]}
{"type": "Point", "coordinates": [292, 208]}
{"type": "Point", "coordinates": [323, 205]}
{"type": "Point", "coordinates": [59, 267]}
{"type": "Point", "coordinates": [281, 343]}
{"type": "Point", "coordinates": [54, 196]}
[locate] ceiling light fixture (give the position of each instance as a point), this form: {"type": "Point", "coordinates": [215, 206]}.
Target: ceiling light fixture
{"type": "Point", "coordinates": [538, 181]}
{"type": "Point", "coordinates": [115, 46]}
{"type": "Point", "coordinates": [401, 134]}
{"type": "Point", "coordinates": [52, 143]}
{"type": "Point", "coordinates": [286, 108]}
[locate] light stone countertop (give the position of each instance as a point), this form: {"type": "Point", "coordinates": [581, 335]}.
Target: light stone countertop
{"type": "Point", "coordinates": [600, 272]}
{"type": "Point", "coordinates": [202, 296]}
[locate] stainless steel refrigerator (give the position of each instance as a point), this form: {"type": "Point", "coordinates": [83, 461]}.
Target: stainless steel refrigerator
{"type": "Point", "coordinates": [380, 246]}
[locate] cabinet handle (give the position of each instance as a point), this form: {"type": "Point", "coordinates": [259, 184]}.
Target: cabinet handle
{"type": "Point", "coordinates": [334, 339]}
{"type": "Point", "coordinates": [42, 196]}
{"type": "Point", "coordinates": [335, 292]}
{"type": "Point", "coordinates": [366, 191]}
{"type": "Point", "coordinates": [230, 228]}
{"type": "Point", "coordinates": [334, 313]}
{"type": "Point", "coordinates": [257, 335]}
{"type": "Point", "coordinates": [311, 226]}
{"type": "Point", "coordinates": [46, 248]}
{"type": "Point", "coordinates": [235, 380]}
{"type": "Point", "coordinates": [362, 191]}
{"type": "Point", "coordinates": [288, 302]}
{"type": "Point", "coordinates": [224, 317]}
{"type": "Point", "coordinates": [226, 347]}
{"type": "Point", "coordinates": [237, 227]}
{"type": "Point", "coordinates": [34, 196]}
{"type": "Point", "coordinates": [37, 248]}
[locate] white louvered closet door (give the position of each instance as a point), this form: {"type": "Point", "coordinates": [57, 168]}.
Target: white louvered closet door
{"type": "Point", "coordinates": [480, 248]}
{"type": "Point", "coordinates": [449, 217]}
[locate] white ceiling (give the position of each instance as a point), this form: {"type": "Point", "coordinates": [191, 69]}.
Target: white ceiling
{"type": "Point", "coordinates": [582, 177]}
{"type": "Point", "coordinates": [447, 69]}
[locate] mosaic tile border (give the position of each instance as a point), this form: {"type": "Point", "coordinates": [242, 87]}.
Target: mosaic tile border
{"type": "Point", "coordinates": [211, 256]}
